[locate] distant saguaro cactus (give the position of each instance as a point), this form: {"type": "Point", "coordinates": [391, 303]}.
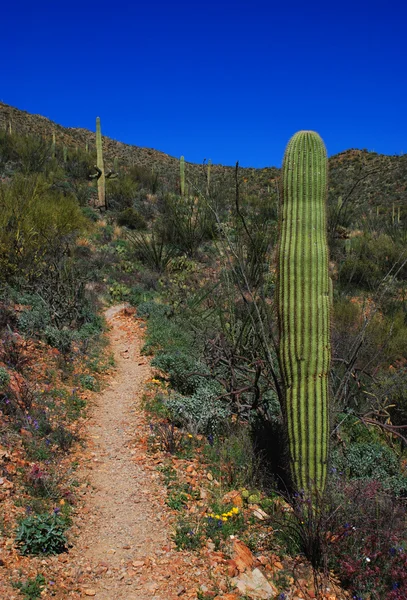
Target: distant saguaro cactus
{"type": "Point", "coordinates": [303, 305]}
{"type": "Point", "coordinates": [101, 175]}
{"type": "Point", "coordinates": [100, 166]}
{"type": "Point", "coordinates": [182, 175]}
{"type": "Point", "coordinates": [53, 145]}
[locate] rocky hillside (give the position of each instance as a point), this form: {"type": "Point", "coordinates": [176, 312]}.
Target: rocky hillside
{"type": "Point", "coordinates": [358, 179]}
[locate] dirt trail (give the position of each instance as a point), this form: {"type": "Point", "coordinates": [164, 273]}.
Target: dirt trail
{"type": "Point", "coordinates": [124, 549]}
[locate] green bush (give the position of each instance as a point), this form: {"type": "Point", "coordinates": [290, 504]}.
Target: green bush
{"type": "Point", "coordinates": [370, 461]}
{"type": "Point", "coordinates": [183, 370]}
{"type": "Point", "coordinates": [32, 588]}
{"type": "Point", "coordinates": [34, 320]}
{"type": "Point", "coordinates": [90, 213]}
{"type": "Point", "coordinates": [122, 192]}
{"type": "Point", "coordinates": [88, 382]}
{"type": "Point", "coordinates": [41, 534]}
{"type": "Point", "coordinates": [202, 412]}
{"type": "Point", "coordinates": [233, 460]}
{"type": "Point", "coordinates": [131, 219]}
{"type": "Point", "coordinates": [4, 378]}
{"type": "Point", "coordinates": [37, 228]}
{"type": "Point", "coordinates": [59, 338]}
{"type": "Point", "coordinates": [152, 249]}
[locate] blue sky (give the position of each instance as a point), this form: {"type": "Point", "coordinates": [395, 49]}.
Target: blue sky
{"type": "Point", "coordinates": [229, 81]}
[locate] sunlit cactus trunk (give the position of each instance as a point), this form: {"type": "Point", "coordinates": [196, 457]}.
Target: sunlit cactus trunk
{"type": "Point", "coordinates": [303, 304]}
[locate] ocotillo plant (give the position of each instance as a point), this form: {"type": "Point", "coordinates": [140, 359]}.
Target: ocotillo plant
{"type": "Point", "coordinates": [303, 306]}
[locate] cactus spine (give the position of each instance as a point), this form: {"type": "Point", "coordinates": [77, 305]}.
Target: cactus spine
{"type": "Point", "coordinates": [99, 164]}
{"type": "Point", "coordinates": [303, 305]}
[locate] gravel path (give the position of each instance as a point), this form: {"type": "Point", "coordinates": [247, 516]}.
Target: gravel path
{"type": "Point", "coordinates": [124, 547]}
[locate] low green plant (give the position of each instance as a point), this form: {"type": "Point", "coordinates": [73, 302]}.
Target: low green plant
{"type": "Point", "coordinates": [202, 412]}
{"type": "Point", "coordinates": [152, 250]}
{"type": "Point", "coordinates": [186, 374]}
{"type": "Point", "coordinates": [177, 499]}
{"type": "Point", "coordinates": [119, 292]}
{"type": "Point", "coordinates": [168, 472]}
{"type": "Point", "coordinates": [32, 588]}
{"type": "Point", "coordinates": [4, 378]}
{"type": "Point", "coordinates": [187, 535]}
{"type": "Point", "coordinates": [59, 338]}
{"type": "Point", "coordinates": [41, 534]}
{"type": "Point", "coordinates": [88, 382]}
{"type": "Point", "coordinates": [233, 459]}
{"type": "Point", "coordinates": [131, 219]}
{"type": "Point", "coordinates": [223, 522]}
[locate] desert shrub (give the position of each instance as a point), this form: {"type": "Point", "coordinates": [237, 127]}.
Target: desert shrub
{"type": "Point", "coordinates": [88, 382]}
{"type": "Point", "coordinates": [59, 338]}
{"type": "Point", "coordinates": [369, 258]}
{"type": "Point", "coordinates": [35, 318]}
{"type": "Point", "coordinates": [184, 371]}
{"type": "Point", "coordinates": [132, 219]}
{"type": "Point", "coordinates": [233, 458]}
{"type": "Point", "coordinates": [32, 588]}
{"type": "Point", "coordinates": [152, 249]}
{"type": "Point", "coordinates": [367, 542]}
{"type": "Point", "coordinates": [152, 309]}
{"type": "Point", "coordinates": [140, 295]}
{"type": "Point", "coordinates": [165, 331]}
{"type": "Point", "coordinates": [4, 378]}
{"type": "Point", "coordinates": [33, 153]}
{"type": "Point", "coordinates": [186, 223]}
{"type": "Point", "coordinates": [146, 178]}
{"type": "Point", "coordinates": [41, 534]}
{"type": "Point", "coordinates": [37, 227]}
{"type": "Point", "coordinates": [370, 461]}
{"type": "Point", "coordinates": [90, 213]}
{"type": "Point", "coordinates": [122, 192]}
{"type": "Point", "coordinates": [204, 411]}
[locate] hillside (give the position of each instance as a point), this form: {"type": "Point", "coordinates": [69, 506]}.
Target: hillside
{"type": "Point", "coordinates": [365, 179]}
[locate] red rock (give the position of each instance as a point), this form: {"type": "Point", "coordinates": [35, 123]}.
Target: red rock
{"type": "Point", "coordinates": [242, 555]}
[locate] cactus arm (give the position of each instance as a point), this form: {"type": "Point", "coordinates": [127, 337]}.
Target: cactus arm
{"type": "Point", "coordinates": [303, 305]}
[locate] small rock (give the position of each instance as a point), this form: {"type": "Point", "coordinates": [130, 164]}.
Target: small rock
{"type": "Point", "coordinates": [90, 592]}
{"type": "Point", "coordinates": [255, 585]}
{"type": "Point", "coordinates": [260, 514]}
{"type": "Point", "coordinates": [181, 590]}
{"type": "Point", "coordinates": [138, 563]}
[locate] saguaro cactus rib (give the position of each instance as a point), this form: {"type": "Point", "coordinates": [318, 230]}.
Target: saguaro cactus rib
{"type": "Point", "coordinates": [303, 303]}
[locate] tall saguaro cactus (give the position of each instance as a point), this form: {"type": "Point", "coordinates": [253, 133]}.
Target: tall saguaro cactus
{"type": "Point", "coordinates": [182, 175]}
{"type": "Point", "coordinates": [303, 305]}
{"type": "Point", "coordinates": [101, 174]}
{"type": "Point", "coordinates": [100, 166]}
